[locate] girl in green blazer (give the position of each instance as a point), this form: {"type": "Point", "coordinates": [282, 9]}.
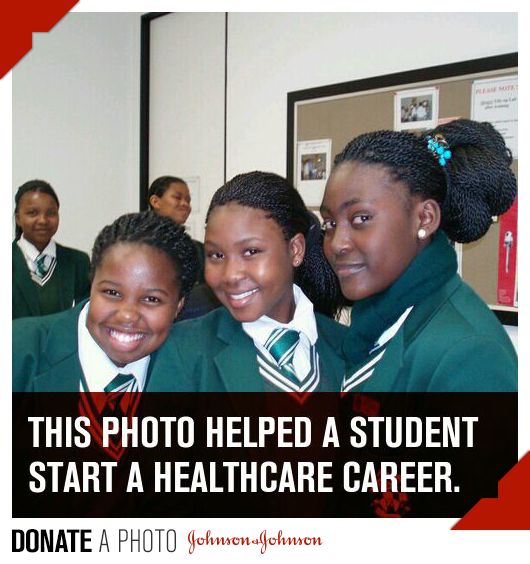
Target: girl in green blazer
{"type": "Point", "coordinates": [265, 264]}
{"type": "Point", "coordinates": [391, 203]}
{"type": "Point", "coordinates": [143, 265]}
{"type": "Point", "coordinates": [47, 277]}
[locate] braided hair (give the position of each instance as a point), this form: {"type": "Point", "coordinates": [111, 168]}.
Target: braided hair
{"type": "Point", "coordinates": [475, 184]}
{"type": "Point", "coordinates": [162, 233]}
{"type": "Point", "coordinates": [274, 195]}
{"type": "Point", "coordinates": [32, 186]}
{"type": "Point", "coordinates": [160, 185]}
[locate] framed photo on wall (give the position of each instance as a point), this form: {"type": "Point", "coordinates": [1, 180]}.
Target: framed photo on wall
{"type": "Point", "coordinates": [313, 167]}
{"type": "Point", "coordinates": [416, 109]}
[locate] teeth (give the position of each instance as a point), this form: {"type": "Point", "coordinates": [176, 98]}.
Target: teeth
{"type": "Point", "coordinates": [125, 337]}
{"type": "Point", "coordinates": [243, 295]}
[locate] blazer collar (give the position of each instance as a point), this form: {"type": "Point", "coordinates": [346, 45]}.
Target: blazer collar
{"type": "Point", "coordinates": [387, 368]}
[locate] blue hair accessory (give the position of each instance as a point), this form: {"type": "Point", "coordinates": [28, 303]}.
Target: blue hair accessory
{"type": "Point", "coordinates": [439, 147]}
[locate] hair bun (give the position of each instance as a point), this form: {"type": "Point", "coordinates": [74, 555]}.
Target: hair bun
{"type": "Point", "coordinates": [480, 182]}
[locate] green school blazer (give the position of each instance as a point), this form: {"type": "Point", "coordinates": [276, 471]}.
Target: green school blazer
{"type": "Point", "coordinates": [215, 355]}
{"type": "Point", "coordinates": [71, 270]}
{"type": "Point", "coordinates": [46, 359]}
{"type": "Point", "coordinates": [451, 342]}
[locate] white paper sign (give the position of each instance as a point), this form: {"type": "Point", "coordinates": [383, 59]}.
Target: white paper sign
{"type": "Point", "coordinates": [495, 100]}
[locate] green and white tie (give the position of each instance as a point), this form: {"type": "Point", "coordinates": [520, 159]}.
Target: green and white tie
{"type": "Point", "coordinates": [43, 269]}
{"type": "Point", "coordinates": [282, 345]}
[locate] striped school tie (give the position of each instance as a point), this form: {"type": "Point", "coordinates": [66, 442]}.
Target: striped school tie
{"type": "Point", "coordinates": [282, 344]}
{"type": "Point", "coordinates": [120, 399]}
{"type": "Point", "coordinates": [122, 383]}
{"type": "Point", "coordinates": [44, 267]}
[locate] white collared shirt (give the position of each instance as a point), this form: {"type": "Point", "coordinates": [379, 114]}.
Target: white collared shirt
{"type": "Point", "coordinates": [97, 367]}
{"type": "Point", "coordinates": [303, 321]}
{"type": "Point", "coordinates": [31, 252]}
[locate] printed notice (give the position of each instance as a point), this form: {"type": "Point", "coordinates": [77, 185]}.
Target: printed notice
{"type": "Point", "coordinates": [496, 101]}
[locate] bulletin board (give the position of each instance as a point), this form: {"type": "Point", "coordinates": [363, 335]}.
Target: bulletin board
{"type": "Point", "coordinates": [338, 113]}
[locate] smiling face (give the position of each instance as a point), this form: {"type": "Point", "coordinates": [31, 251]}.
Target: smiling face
{"type": "Point", "coordinates": [135, 297]}
{"type": "Point", "coordinates": [249, 264]}
{"type": "Point", "coordinates": [371, 227]}
{"type": "Point", "coordinates": [175, 202]}
{"type": "Point", "coordinates": [38, 217]}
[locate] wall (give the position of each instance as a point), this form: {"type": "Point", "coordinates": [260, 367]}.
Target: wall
{"type": "Point", "coordinates": [76, 95]}
{"type": "Point", "coordinates": [76, 119]}
{"type": "Point", "coordinates": [186, 114]}
{"type": "Point", "coordinates": [272, 54]}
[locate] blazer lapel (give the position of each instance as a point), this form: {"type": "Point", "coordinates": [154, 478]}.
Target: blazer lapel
{"type": "Point", "coordinates": [236, 363]}
{"type": "Point", "coordinates": [23, 280]}
{"type": "Point", "coordinates": [387, 372]}
{"type": "Point", "coordinates": [331, 365]}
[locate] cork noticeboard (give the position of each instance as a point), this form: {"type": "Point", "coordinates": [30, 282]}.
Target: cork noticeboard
{"type": "Point", "coordinates": [343, 111]}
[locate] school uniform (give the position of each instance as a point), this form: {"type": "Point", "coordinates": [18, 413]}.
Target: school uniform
{"type": "Point", "coordinates": [66, 285]}
{"type": "Point", "coordinates": [52, 354]}
{"type": "Point", "coordinates": [446, 340]}
{"type": "Point", "coordinates": [217, 354]}
{"type": "Point", "coordinates": [46, 358]}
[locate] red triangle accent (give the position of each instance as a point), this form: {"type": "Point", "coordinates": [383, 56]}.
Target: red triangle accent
{"type": "Point", "coordinates": [507, 512]}
{"type": "Point", "coordinates": [20, 20]}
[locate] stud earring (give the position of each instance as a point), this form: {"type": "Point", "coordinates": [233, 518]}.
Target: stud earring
{"type": "Point", "coordinates": [422, 234]}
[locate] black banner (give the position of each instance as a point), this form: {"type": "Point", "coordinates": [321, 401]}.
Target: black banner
{"type": "Point", "coordinates": [267, 455]}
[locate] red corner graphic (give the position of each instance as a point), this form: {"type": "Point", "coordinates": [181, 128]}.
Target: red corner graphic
{"type": "Point", "coordinates": [507, 512]}
{"type": "Point", "coordinates": [20, 20]}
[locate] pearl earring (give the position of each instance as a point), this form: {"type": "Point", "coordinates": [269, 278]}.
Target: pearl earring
{"type": "Point", "coordinates": [422, 234]}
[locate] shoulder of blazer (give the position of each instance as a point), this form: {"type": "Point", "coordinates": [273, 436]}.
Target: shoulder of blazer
{"type": "Point", "coordinates": [57, 332]}
{"type": "Point", "coordinates": [24, 297]}
{"type": "Point", "coordinates": [17, 257]}
{"type": "Point", "coordinates": [429, 308]}
{"type": "Point", "coordinates": [46, 345]}
{"type": "Point", "coordinates": [74, 255]}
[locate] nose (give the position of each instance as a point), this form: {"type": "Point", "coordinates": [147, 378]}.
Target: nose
{"type": "Point", "coordinates": [337, 242]}
{"type": "Point", "coordinates": [42, 219]}
{"type": "Point", "coordinates": [127, 313]}
{"type": "Point", "coordinates": [233, 271]}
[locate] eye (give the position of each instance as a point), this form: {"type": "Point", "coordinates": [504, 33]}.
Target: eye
{"type": "Point", "coordinates": [152, 300]}
{"type": "Point", "coordinates": [111, 292]}
{"type": "Point", "coordinates": [328, 225]}
{"type": "Point", "coordinates": [251, 252]}
{"type": "Point", "coordinates": [360, 219]}
{"type": "Point", "coordinates": [216, 256]}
